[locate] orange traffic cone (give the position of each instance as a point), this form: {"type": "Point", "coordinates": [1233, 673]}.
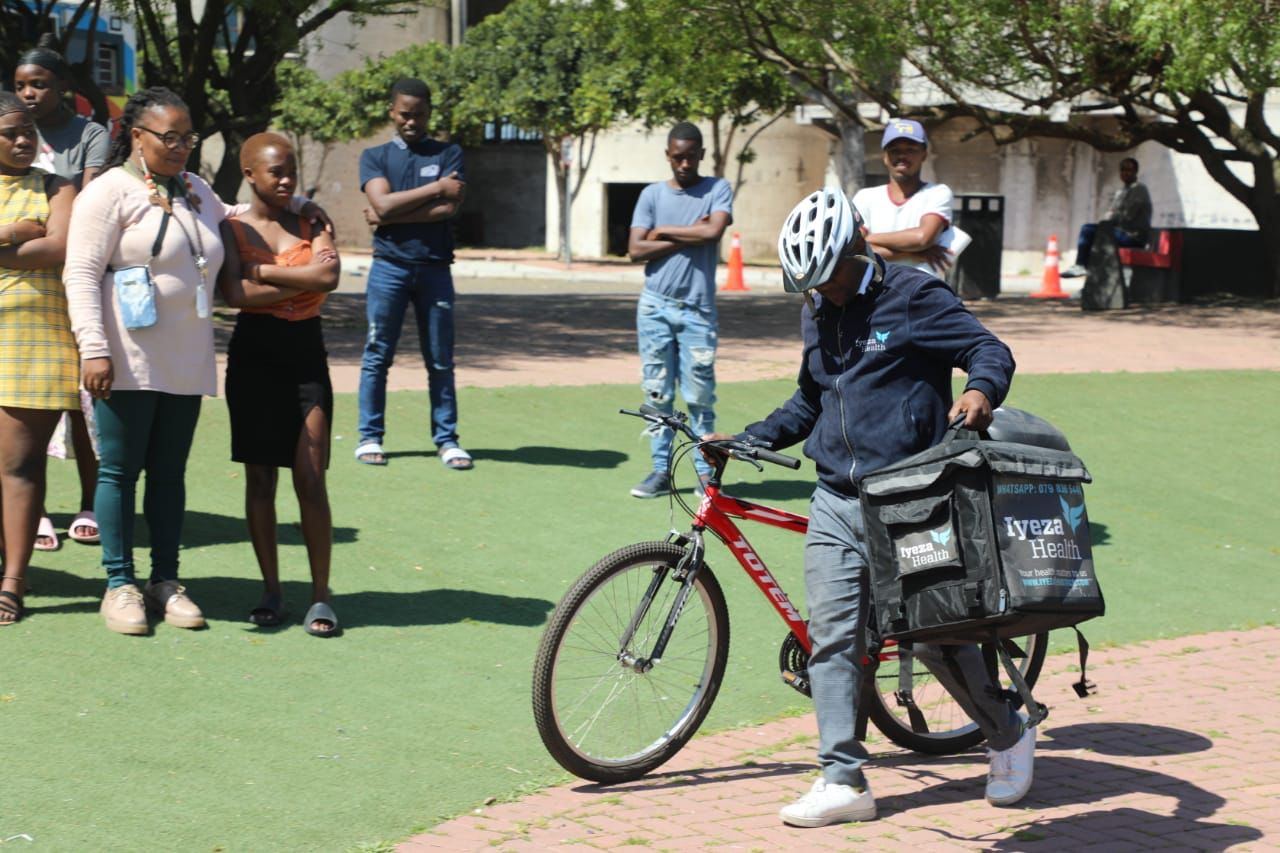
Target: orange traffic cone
{"type": "Point", "coordinates": [1051, 284]}
{"type": "Point", "coordinates": [734, 281]}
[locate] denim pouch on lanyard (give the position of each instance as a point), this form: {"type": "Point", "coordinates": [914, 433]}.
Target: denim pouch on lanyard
{"type": "Point", "coordinates": [136, 289]}
{"type": "Point", "coordinates": [136, 297]}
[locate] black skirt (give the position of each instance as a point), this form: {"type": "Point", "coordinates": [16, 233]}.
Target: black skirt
{"type": "Point", "coordinates": [277, 372]}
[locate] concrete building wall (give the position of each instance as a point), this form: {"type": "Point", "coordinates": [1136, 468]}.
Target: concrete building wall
{"type": "Point", "coordinates": [790, 163]}
{"type": "Point", "coordinates": [504, 205]}
{"type": "Point", "coordinates": [1054, 186]}
{"type": "Point", "coordinates": [336, 47]}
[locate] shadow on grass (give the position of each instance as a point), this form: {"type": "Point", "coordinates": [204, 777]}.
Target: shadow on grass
{"type": "Point", "coordinates": [568, 457]}
{"type": "Point", "coordinates": [207, 528]}
{"type": "Point", "coordinates": [771, 490]}
{"type": "Point", "coordinates": [230, 599]}
{"type": "Point", "coordinates": [1098, 533]}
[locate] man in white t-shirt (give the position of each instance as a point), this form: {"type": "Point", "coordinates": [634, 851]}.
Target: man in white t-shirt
{"type": "Point", "coordinates": [907, 217]}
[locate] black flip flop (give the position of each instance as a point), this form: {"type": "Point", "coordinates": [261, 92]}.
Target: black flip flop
{"type": "Point", "coordinates": [270, 611]}
{"type": "Point", "coordinates": [321, 612]}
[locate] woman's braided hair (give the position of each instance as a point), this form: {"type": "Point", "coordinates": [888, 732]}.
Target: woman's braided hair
{"type": "Point", "coordinates": [138, 103]}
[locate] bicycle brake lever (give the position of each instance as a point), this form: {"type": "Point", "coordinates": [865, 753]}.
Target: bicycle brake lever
{"type": "Point", "coordinates": [746, 457]}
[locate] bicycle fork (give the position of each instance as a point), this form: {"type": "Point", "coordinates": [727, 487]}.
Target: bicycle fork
{"type": "Point", "coordinates": [685, 572]}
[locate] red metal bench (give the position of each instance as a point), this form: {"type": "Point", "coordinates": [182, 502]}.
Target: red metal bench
{"type": "Point", "coordinates": [1154, 276]}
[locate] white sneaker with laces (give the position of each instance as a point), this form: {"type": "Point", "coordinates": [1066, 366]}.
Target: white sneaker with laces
{"type": "Point", "coordinates": [1009, 778]}
{"type": "Point", "coordinates": [828, 803]}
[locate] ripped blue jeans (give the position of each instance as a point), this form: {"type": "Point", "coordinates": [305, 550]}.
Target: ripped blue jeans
{"type": "Point", "coordinates": [677, 340]}
{"type": "Point", "coordinates": [392, 288]}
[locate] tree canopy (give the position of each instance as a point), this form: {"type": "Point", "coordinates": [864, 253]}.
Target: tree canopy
{"type": "Point", "coordinates": [1191, 75]}
{"type": "Point", "coordinates": [550, 66]}
{"type": "Point", "coordinates": [229, 75]}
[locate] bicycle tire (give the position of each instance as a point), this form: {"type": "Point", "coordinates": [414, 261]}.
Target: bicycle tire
{"type": "Point", "coordinates": [950, 729]}
{"type": "Point", "coordinates": [602, 720]}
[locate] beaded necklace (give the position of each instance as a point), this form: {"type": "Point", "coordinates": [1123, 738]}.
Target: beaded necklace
{"type": "Point", "coordinates": [164, 200]}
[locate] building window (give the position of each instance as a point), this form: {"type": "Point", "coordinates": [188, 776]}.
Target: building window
{"type": "Point", "coordinates": [106, 66]}
{"type": "Point", "coordinates": [504, 131]}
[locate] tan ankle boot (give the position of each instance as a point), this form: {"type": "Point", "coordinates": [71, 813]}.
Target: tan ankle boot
{"type": "Point", "coordinates": [123, 610]}
{"type": "Point", "coordinates": [170, 599]}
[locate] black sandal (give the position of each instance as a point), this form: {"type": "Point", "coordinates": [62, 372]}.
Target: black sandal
{"type": "Point", "coordinates": [321, 612]}
{"type": "Point", "coordinates": [270, 611]}
{"type": "Point", "coordinates": [14, 609]}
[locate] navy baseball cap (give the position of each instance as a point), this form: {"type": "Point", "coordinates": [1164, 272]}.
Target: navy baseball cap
{"type": "Point", "coordinates": [903, 128]}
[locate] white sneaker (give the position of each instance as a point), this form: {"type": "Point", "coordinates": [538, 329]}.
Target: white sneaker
{"type": "Point", "coordinates": [1009, 778]}
{"type": "Point", "coordinates": [827, 803]}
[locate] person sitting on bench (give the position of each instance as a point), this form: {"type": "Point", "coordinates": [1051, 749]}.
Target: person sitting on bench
{"type": "Point", "coordinates": [1129, 216]}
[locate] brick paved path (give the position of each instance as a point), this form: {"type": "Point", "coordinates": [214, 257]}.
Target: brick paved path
{"type": "Point", "coordinates": [1178, 750]}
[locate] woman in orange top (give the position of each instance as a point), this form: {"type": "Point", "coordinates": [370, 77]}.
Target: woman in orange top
{"type": "Point", "coordinates": [281, 402]}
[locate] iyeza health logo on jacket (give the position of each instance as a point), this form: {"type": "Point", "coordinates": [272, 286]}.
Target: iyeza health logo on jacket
{"type": "Point", "coordinates": [1044, 535]}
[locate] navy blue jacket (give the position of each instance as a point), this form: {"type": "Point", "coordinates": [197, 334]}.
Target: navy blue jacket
{"type": "Point", "coordinates": [875, 382]}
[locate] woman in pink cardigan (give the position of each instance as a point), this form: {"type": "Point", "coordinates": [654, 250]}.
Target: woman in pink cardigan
{"type": "Point", "coordinates": [140, 274]}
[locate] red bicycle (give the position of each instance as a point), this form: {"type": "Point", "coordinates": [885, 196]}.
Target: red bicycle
{"type": "Point", "coordinates": [633, 655]}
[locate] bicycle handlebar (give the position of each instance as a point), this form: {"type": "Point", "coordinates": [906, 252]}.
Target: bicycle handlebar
{"type": "Point", "coordinates": [679, 422]}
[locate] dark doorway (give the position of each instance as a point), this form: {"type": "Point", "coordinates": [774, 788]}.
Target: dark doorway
{"type": "Point", "coordinates": [620, 203]}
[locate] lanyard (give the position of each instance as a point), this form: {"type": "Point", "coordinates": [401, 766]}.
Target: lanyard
{"type": "Point", "coordinates": [196, 246]}
{"type": "Point", "coordinates": [198, 256]}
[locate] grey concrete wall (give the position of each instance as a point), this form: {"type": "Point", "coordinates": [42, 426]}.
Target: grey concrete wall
{"type": "Point", "coordinates": [790, 162]}
{"type": "Point", "coordinates": [506, 186]}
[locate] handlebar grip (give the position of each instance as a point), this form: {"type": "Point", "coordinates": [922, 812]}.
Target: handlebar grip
{"type": "Point", "coordinates": [776, 458]}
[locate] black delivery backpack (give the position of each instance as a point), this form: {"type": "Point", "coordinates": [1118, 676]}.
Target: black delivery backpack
{"type": "Point", "coordinates": [982, 538]}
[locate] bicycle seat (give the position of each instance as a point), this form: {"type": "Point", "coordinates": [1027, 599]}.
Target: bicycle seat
{"type": "Point", "coordinates": [1020, 426]}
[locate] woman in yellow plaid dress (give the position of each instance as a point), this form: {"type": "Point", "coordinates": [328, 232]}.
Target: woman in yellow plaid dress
{"type": "Point", "coordinates": [39, 365]}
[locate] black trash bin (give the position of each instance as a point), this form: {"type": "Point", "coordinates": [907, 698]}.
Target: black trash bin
{"type": "Point", "coordinates": [976, 274]}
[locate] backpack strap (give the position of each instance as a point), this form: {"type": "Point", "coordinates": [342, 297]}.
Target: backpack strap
{"type": "Point", "coordinates": [1035, 711]}
{"type": "Point", "coordinates": [1083, 687]}
{"type": "Point", "coordinates": [904, 693]}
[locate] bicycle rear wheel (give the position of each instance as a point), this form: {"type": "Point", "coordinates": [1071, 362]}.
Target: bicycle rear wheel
{"type": "Point", "coordinates": [947, 728]}
{"type": "Point", "coordinates": [602, 714]}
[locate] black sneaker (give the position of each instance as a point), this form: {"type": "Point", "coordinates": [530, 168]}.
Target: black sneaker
{"type": "Point", "coordinates": [656, 484]}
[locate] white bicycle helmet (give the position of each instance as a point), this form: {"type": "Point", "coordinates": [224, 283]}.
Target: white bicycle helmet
{"type": "Point", "coordinates": [817, 233]}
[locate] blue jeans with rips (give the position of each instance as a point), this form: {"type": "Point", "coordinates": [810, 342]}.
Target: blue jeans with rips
{"type": "Point", "coordinates": [837, 589]}
{"type": "Point", "coordinates": [392, 288]}
{"type": "Point", "coordinates": [677, 341]}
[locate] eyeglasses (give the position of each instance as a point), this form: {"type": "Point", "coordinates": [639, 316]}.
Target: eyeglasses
{"type": "Point", "coordinates": [172, 140]}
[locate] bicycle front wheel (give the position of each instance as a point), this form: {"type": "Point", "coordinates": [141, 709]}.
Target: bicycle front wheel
{"type": "Point", "coordinates": [605, 711]}
{"type": "Point", "coordinates": [943, 727]}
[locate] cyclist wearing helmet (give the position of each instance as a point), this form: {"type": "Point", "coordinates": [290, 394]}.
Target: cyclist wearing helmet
{"type": "Point", "coordinates": [880, 343]}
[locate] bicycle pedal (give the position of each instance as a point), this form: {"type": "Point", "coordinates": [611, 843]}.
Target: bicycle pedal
{"type": "Point", "coordinates": [799, 682]}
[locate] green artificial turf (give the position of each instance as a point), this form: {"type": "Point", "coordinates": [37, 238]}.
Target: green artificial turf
{"type": "Point", "coordinates": [235, 738]}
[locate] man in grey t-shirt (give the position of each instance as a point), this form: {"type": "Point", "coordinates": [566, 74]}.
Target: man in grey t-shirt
{"type": "Point", "coordinates": [675, 233]}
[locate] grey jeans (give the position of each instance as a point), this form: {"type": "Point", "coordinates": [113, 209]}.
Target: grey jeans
{"type": "Point", "coordinates": [836, 583]}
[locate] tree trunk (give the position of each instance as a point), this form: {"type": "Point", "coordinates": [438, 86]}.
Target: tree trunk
{"type": "Point", "coordinates": [227, 178]}
{"type": "Point", "coordinates": [850, 153]}
{"type": "Point", "coordinates": [562, 195]}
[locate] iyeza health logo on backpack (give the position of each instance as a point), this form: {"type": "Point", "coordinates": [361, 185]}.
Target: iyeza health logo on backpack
{"type": "Point", "coordinates": [1044, 539]}
{"type": "Point", "coordinates": [931, 548]}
